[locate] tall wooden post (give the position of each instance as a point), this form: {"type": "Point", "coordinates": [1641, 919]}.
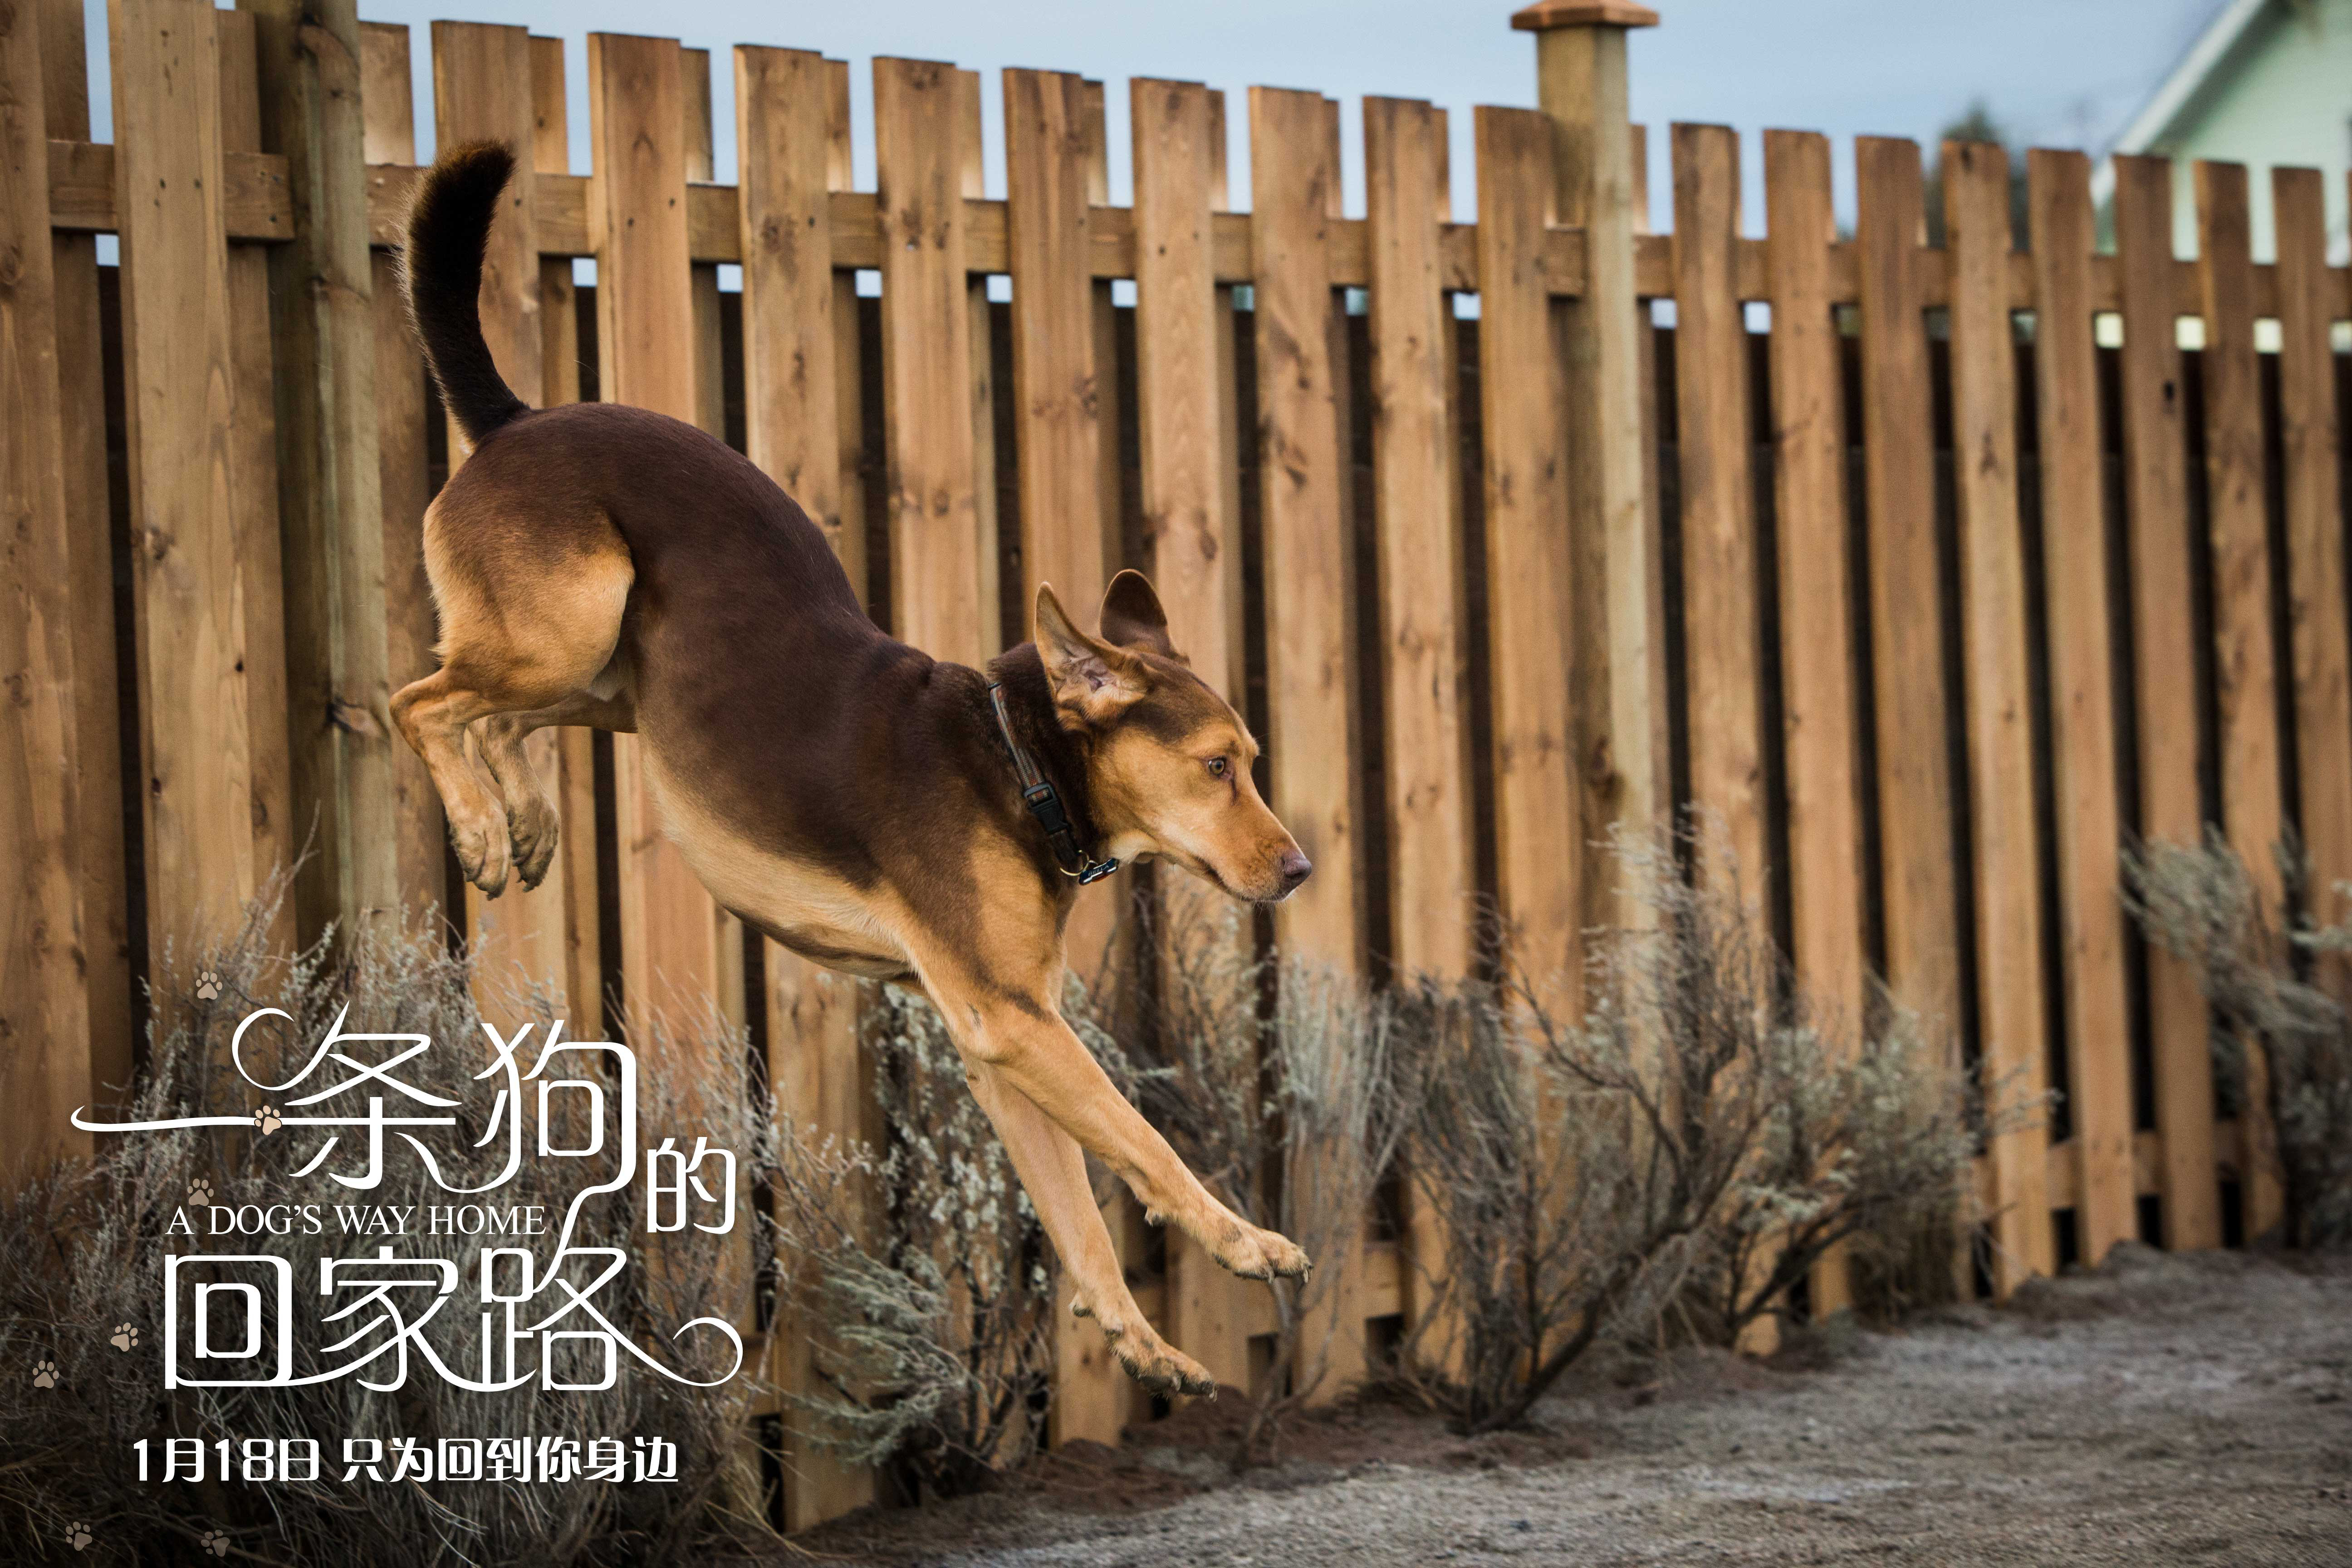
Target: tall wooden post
{"type": "Point", "coordinates": [1617, 705]}
{"type": "Point", "coordinates": [329, 489]}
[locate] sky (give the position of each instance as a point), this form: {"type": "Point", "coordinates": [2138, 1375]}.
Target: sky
{"type": "Point", "coordinates": [2058, 72]}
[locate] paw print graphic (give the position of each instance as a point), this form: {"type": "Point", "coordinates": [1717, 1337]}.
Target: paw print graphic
{"type": "Point", "coordinates": [215, 1541]}
{"type": "Point", "coordinates": [125, 1337]}
{"type": "Point", "coordinates": [200, 1192]}
{"type": "Point", "coordinates": [45, 1374]}
{"type": "Point", "coordinates": [267, 1120]}
{"type": "Point", "coordinates": [78, 1537]}
{"type": "Point", "coordinates": [207, 985]}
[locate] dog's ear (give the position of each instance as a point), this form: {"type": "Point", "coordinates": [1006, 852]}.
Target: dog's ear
{"type": "Point", "coordinates": [1092, 681]}
{"type": "Point", "coordinates": [1131, 615]}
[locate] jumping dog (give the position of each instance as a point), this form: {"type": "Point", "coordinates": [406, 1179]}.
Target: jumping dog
{"type": "Point", "coordinates": [879, 810]}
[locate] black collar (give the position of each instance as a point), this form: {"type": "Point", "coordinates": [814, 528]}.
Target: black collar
{"type": "Point", "coordinates": [1045, 804]}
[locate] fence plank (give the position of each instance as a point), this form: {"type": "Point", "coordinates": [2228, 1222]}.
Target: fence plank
{"type": "Point", "coordinates": [1998, 701]}
{"type": "Point", "coordinates": [1818, 697]}
{"type": "Point", "coordinates": [791, 402]}
{"type": "Point", "coordinates": [90, 564]}
{"type": "Point", "coordinates": [936, 546]}
{"type": "Point", "coordinates": [483, 90]}
{"type": "Point", "coordinates": [1723, 631]}
{"type": "Point", "coordinates": [2082, 715]}
{"type": "Point", "coordinates": [1191, 528]}
{"type": "Point", "coordinates": [1914, 785]}
{"type": "Point", "coordinates": [560, 367]}
{"type": "Point", "coordinates": [44, 1000]}
{"type": "Point", "coordinates": [179, 394]}
{"type": "Point", "coordinates": [2317, 614]}
{"type": "Point", "coordinates": [2246, 662]}
{"type": "Point", "coordinates": [1618, 580]}
{"type": "Point", "coordinates": [1540, 847]}
{"type": "Point", "coordinates": [2165, 674]}
{"type": "Point", "coordinates": [645, 313]}
{"type": "Point", "coordinates": [420, 851]}
{"type": "Point", "coordinates": [330, 496]}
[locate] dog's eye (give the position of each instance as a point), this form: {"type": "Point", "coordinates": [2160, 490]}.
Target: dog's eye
{"type": "Point", "coordinates": [1216, 767]}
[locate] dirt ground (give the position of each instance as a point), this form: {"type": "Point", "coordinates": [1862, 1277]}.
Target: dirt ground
{"type": "Point", "coordinates": [2164, 1410]}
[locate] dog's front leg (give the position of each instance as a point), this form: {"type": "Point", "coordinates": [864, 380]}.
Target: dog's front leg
{"type": "Point", "coordinates": [1054, 1171]}
{"type": "Point", "coordinates": [1026, 1044]}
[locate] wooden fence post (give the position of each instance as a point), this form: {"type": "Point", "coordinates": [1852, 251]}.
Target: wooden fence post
{"type": "Point", "coordinates": [2245, 663]}
{"type": "Point", "coordinates": [792, 402]}
{"type": "Point", "coordinates": [1618, 709]}
{"type": "Point", "coordinates": [1998, 701]}
{"type": "Point", "coordinates": [2156, 494]}
{"type": "Point", "coordinates": [44, 1002]}
{"type": "Point", "coordinates": [646, 319]}
{"type": "Point", "coordinates": [89, 562]}
{"type": "Point", "coordinates": [180, 393]}
{"type": "Point", "coordinates": [2090, 934]}
{"type": "Point", "coordinates": [330, 488]}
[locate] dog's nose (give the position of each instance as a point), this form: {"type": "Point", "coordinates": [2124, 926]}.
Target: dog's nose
{"type": "Point", "coordinates": [1295, 868]}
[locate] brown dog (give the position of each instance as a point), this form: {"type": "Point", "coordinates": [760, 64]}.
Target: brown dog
{"type": "Point", "coordinates": [863, 804]}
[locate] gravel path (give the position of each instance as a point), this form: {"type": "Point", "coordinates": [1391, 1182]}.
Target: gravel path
{"type": "Point", "coordinates": [2168, 1410]}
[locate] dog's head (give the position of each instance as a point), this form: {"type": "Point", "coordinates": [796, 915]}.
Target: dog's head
{"type": "Point", "coordinates": [1168, 760]}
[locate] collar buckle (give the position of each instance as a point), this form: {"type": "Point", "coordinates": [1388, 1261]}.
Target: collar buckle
{"type": "Point", "coordinates": [1045, 804]}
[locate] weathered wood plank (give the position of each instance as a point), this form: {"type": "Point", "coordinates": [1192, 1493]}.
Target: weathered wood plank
{"type": "Point", "coordinates": [2316, 616]}
{"type": "Point", "coordinates": [1192, 523]}
{"type": "Point", "coordinates": [2156, 492]}
{"type": "Point", "coordinates": [1540, 847]}
{"type": "Point", "coordinates": [1817, 653]}
{"type": "Point", "coordinates": [89, 562]}
{"type": "Point", "coordinates": [791, 404]}
{"type": "Point", "coordinates": [44, 999]}
{"type": "Point", "coordinates": [1723, 627]}
{"type": "Point", "coordinates": [484, 90]}
{"type": "Point", "coordinates": [2245, 668]}
{"type": "Point", "coordinates": [935, 537]}
{"type": "Point", "coordinates": [1999, 699]}
{"type": "Point", "coordinates": [1920, 882]}
{"type": "Point", "coordinates": [420, 852]}
{"type": "Point", "coordinates": [2082, 712]}
{"type": "Point", "coordinates": [645, 313]}
{"type": "Point", "coordinates": [1310, 639]}
{"type": "Point", "coordinates": [179, 394]}
{"type": "Point", "coordinates": [330, 497]}
{"type": "Point", "coordinates": [253, 488]}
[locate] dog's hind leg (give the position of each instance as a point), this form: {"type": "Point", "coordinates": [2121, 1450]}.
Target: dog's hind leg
{"type": "Point", "coordinates": [512, 642]}
{"type": "Point", "coordinates": [530, 817]}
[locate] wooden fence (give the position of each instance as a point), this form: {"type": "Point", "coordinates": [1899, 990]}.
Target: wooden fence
{"type": "Point", "coordinates": [1930, 595]}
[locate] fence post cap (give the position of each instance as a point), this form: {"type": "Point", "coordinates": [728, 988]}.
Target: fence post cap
{"type": "Point", "coordinates": [1545, 14]}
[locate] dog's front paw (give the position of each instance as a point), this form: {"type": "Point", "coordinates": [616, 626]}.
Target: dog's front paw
{"type": "Point", "coordinates": [482, 849]}
{"type": "Point", "coordinates": [1256, 1254]}
{"type": "Point", "coordinates": [533, 834]}
{"type": "Point", "coordinates": [1159, 1366]}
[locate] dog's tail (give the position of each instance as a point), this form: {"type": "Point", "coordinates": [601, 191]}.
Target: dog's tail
{"type": "Point", "coordinates": [448, 231]}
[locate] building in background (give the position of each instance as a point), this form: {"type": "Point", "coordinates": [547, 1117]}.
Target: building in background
{"type": "Point", "coordinates": [2267, 82]}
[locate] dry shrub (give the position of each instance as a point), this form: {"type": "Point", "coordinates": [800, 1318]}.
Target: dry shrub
{"type": "Point", "coordinates": [2201, 905]}
{"type": "Point", "coordinates": [82, 1249]}
{"type": "Point", "coordinates": [1272, 1081]}
{"type": "Point", "coordinates": [925, 1269]}
{"type": "Point", "coordinates": [1696, 1141]}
